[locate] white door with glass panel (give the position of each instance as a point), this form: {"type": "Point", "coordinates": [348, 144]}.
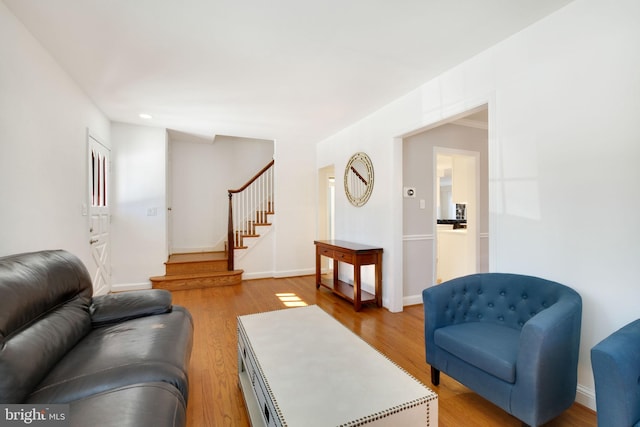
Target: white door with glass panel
{"type": "Point", "coordinates": [99, 215]}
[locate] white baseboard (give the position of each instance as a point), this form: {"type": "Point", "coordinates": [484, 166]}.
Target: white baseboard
{"type": "Point", "coordinates": [257, 275]}
{"type": "Point", "coordinates": [277, 274]}
{"type": "Point", "coordinates": [586, 397]}
{"type": "Point", "coordinates": [412, 300]}
{"type": "Point", "coordinates": [294, 273]}
{"type": "Point", "coordinates": [123, 287]}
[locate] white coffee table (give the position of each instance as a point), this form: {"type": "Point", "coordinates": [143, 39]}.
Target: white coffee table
{"type": "Point", "coordinates": [301, 367]}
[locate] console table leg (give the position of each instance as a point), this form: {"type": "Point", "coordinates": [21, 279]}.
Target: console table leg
{"type": "Point", "coordinates": [318, 268]}
{"type": "Point", "coordinates": [378, 268]}
{"type": "Point", "coordinates": [357, 294]}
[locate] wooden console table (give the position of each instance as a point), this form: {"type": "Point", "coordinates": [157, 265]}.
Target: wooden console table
{"type": "Point", "coordinates": [356, 255]}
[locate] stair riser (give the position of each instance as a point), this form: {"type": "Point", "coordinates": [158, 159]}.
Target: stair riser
{"type": "Point", "coordinates": [173, 269]}
{"type": "Point", "coordinates": [198, 283]}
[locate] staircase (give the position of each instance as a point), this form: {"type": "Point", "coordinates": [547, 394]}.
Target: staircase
{"type": "Point", "coordinates": [196, 270]}
{"type": "Point", "coordinates": [249, 221]}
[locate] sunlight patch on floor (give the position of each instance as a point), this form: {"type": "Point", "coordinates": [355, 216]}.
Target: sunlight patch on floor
{"type": "Point", "coordinates": [289, 299]}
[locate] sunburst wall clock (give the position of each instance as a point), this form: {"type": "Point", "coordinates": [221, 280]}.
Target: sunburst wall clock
{"type": "Point", "coordinates": [358, 179]}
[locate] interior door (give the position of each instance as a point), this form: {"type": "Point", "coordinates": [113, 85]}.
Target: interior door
{"type": "Point", "coordinates": [99, 215]}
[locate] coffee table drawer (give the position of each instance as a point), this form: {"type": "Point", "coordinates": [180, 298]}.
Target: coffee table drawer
{"type": "Point", "coordinates": [250, 378]}
{"type": "Point", "coordinates": [245, 361]}
{"type": "Point", "coordinates": [267, 409]}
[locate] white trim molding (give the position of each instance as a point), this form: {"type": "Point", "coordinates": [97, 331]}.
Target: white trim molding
{"type": "Point", "coordinates": [417, 237]}
{"type": "Point", "coordinates": [471, 123]}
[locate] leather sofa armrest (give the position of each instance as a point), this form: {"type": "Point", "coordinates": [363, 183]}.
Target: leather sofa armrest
{"type": "Point", "coordinates": [114, 308]}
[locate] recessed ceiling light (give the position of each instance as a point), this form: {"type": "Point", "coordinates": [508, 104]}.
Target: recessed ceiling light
{"type": "Point", "coordinates": [145, 116]}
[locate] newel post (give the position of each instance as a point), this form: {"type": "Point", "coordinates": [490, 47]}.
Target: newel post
{"type": "Point", "coordinates": [230, 239]}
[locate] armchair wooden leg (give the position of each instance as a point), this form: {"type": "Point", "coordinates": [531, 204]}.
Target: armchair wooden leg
{"type": "Point", "coordinates": [435, 376]}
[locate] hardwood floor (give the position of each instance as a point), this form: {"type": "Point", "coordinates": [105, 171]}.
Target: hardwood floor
{"type": "Point", "coordinates": [214, 396]}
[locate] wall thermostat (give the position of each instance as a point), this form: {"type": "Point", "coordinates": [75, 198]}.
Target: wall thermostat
{"type": "Point", "coordinates": [409, 192]}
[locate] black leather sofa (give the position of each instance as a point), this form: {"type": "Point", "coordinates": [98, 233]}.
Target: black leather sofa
{"type": "Point", "coordinates": [116, 360]}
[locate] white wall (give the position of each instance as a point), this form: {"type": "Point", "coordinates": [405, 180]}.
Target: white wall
{"type": "Point", "coordinates": [295, 206]}
{"type": "Point", "coordinates": [139, 211]}
{"type": "Point", "coordinates": [44, 119]}
{"type": "Point", "coordinates": [564, 98]}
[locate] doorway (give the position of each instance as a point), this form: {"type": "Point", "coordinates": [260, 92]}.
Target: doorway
{"type": "Point", "coordinates": [456, 203]}
{"type": "Point", "coordinates": [466, 132]}
{"type": "Point", "coordinates": [326, 208]}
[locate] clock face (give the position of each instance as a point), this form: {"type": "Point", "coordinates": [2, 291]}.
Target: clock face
{"type": "Point", "coordinates": [358, 179]}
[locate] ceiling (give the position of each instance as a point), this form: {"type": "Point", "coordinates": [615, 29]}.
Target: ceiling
{"type": "Point", "coordinates": [263, 69]}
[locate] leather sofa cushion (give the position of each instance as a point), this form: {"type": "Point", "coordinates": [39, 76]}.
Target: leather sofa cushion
{"type": "Point", "coordinates": [490, 347]}
{"type": "Point", "coordinates": [115, 308]}
{"type": "Point", "coordinates": [152, 404]}
{"type": "Point", "coordinates": [147, 349]}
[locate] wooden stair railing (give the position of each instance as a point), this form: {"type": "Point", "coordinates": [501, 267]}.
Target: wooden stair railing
{"type": "Point", "coordinates": [253, 202]}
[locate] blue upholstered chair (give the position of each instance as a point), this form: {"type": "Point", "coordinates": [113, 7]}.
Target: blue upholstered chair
{"type": "Point", "coordinates": [512, 339]}
{"type": "Point", "coordinates": [616, 370]}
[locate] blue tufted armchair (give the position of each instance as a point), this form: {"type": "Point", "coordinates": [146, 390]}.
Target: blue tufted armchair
{"type": "Point", "coordinates": [616, 370]}
{"type": "Point", "coordinates": [512, 339]}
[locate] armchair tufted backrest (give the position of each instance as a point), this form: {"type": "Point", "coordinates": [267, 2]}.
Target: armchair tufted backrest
{"type": "Point", "coordinates": [503, 298]}
{"type": "Point", "coordinates": [44, 312]}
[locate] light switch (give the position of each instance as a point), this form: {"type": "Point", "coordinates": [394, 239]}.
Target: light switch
{"type": "Point", "coordinates": [423, 204]}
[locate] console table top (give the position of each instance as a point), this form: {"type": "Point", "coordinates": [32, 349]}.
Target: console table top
{"type": "Point", "coordinates": [347, 245]}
